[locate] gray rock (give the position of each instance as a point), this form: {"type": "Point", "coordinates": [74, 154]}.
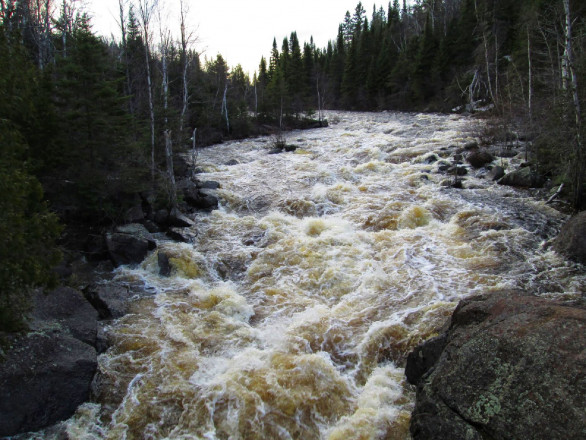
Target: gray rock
{"type": "Point", "coordinates": [430, 158]}
{"type": "Point", "coordinates": [130, 244]}
{"type": "Point", "coordinates": [179, 220]}
{"type": "Point", "coordinates": [200, 198]}
{"type": "Point", "coordinates": [423, 358]}
{"type": "Point", "coordinates": [512, 367]}
{"type": "Point", "coordinates": [134, 214]}
{"type": "Point", "coordinates": [138, 230]}
{"type": "Point", "coordinates": [179, 234]}
{"type": "Point", "coordinates": [495, 173]}
{"type": "Point", "coordinates": [571, 241]}
{"type": "Point", "coordinates": [164, 264]}
{"type": "Point", "coordinates": [523, 177]}
{"type": "Point", "coordinates": [68, 309]}
{"type": "Point", "coordinates": [208, 184]}
{"type": "Point", "coordinates": [233, 162]}
{"type": "Point", "coordinates": [110, 300]}
{"type": "Point", "coordinates": [126, 249]}
{"type": "Point", "coordinates": [161, 218]}
{"type": "Point", "coordinates": [443, 166]}
{"type": "Point", "coordinates": [457, 170]}
{"type": "Point", "coordinates": [479, 158]}
{"type": "Point", "coordinates": [43, 380]}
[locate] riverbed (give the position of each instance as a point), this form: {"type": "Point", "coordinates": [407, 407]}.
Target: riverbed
{"type": "Point", "coordinates": [292, 311]}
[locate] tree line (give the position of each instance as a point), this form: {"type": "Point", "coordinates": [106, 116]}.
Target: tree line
{"type": "Point", "coordinates": [87, 122]}
{"type": "Point", "coordinates": [524, 60]}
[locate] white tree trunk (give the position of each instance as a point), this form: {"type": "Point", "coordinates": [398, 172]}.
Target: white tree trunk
{"type": "Point", "coordinates": [225, 107]}
{"type": "Point", "coordinates": [170, 171]}
{"type": "Point", "coordinates": [185, 41]}
{"type": "Point", "coordinates": [145, 9]}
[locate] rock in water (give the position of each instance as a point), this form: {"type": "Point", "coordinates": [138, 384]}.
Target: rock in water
{"type": "Point", "coordinates": [130, 244]}
{"type": "Point", "coordinates": [571, 241]}
{"type": "Point", "coordinates": [479, 158]}
{"type": "Point", "coordinates": [522, 177]}
{"type": "Point", "coordinates": [495, 173]}
{"type": "Point", "coordinates": [512, 368]}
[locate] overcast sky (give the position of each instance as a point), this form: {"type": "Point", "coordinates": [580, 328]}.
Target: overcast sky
{"type": "Point", "coordinates": [243, 30]}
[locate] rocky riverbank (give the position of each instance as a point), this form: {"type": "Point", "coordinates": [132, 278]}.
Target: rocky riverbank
{"type": "Point", "coordinates": [510, 366]}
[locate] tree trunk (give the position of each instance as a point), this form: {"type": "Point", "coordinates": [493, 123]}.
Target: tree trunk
{"type": "Point", "coordinates": [170, 171]}
{"type": "Point", "coordinates": [145, 11]}
{"type": "Point", "coordinates": [185, 39]}
{"type": "Point", "coordinates": [529, 78]}
{"type": "Point", "coordinates": [225, 107]}
{"type": "Point", "coordinates": [571, 82]}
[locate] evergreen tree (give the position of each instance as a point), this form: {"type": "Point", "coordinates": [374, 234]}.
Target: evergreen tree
{"type": "Point", "coordinates": [95, 149]}
{"type": "Point", "coordinates": [27, 228]}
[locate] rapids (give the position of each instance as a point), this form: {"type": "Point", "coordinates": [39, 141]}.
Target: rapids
{"type": "Point", "coordinates": [291, 314]}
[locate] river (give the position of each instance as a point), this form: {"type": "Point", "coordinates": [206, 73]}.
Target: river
{"type": "Point", "coordinates": [291, 314]}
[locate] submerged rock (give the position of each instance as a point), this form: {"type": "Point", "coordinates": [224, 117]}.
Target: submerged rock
{"type": "Point", "coordinates": [510, 366]}
{"type": "Point", "coordinates": [571, 241]}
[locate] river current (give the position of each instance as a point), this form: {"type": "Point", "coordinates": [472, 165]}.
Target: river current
{"type": "Point", "coordinates": [291, 313]}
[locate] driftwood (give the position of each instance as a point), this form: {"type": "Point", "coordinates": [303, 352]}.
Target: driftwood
{"type": "Point", "coordinates": [555, 195]}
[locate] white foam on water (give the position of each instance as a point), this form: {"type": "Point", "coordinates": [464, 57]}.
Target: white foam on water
{"type": "Point", "coordinates": [292, 313]}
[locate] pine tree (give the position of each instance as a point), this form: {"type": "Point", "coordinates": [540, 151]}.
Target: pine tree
{"type": "Point", "coordinates": [27, 228]}
{"type": "Point", "coordinates": [94, 127]}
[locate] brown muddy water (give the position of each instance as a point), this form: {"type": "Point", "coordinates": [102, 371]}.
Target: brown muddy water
{"type": "Point", "coordinates": [291, 314]}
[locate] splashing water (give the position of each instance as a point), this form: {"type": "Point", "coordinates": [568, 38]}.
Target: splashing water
{"type": "Point", "coordinates": [291, 315]}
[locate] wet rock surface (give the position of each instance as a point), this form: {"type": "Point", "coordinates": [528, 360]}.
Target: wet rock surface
{"type": "Point", "coordinates": [510, 366]}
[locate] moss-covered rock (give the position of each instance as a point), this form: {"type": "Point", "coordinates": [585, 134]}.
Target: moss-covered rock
{"type": "Point", "coordinates": [512, 367]}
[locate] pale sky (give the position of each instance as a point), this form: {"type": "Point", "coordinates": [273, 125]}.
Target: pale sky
{"type": "Point", "coordinates": [243, 30]}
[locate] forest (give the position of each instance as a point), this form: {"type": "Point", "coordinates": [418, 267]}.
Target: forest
{"type": "Point", "coordinates": [87, 122]}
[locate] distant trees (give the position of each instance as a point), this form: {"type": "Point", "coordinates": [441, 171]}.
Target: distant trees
{"type": "Point", "coordinates": [524, 58]}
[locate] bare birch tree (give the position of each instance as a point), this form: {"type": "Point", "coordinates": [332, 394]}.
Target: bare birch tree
{"type": "Point", "coordinates": [187, 39]}
{"type": "Point", "coordinates": [146, 8]}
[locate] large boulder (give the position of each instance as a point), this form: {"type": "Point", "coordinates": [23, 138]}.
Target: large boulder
{"type": "Point", "coordinates": [67, 308]}
{"type": "Point", "coordinates": [523, 177]}
{"type": "Point", "coordinates": [47, 373]}
{"type": "Point", "coordinates": [571, 241]}
{"type": "Point", "coordinates": [199, 198]}
{"type": "Point", "coordinates": [110, 300]}
{"type": "Point", "coordinates": [495, 173]}
{"type": "Point", "coordinates": [43, 381]}
{"type": "Point", "coordinates": [130, 244]}
{"type": "Point", "coordinates": [479, 158]}
{"type": "Point", "coordinates": [510, 366]}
